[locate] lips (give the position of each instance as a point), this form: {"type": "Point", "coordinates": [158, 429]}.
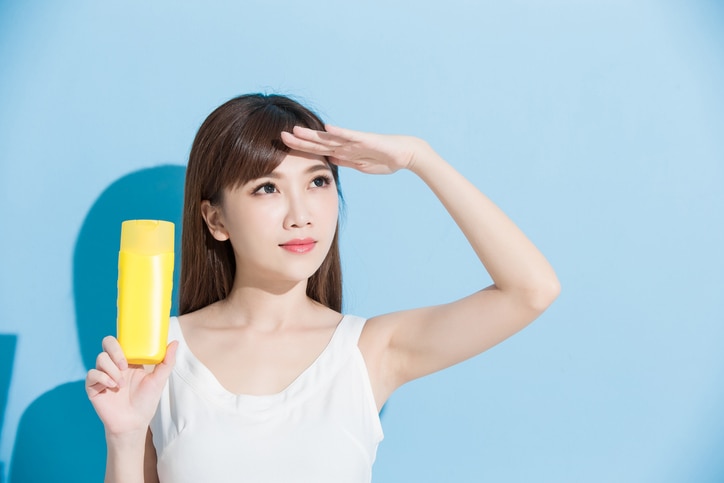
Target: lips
{"type": "Point", "coordinates": [299, 245]}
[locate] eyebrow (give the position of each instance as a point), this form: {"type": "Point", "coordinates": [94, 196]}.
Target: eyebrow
{"type": "Point", "coordinates": [310, 170]}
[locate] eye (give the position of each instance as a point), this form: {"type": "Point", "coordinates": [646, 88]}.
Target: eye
{"type": "Point", "coordinates": [266, 188]}
{"type": "Point", "coordinates": [321, 181]}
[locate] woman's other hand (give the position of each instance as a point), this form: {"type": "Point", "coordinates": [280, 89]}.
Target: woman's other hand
{"type": "Point", "coordinates": [125, 396]}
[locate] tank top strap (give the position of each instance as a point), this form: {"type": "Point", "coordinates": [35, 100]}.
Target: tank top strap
{"type": "Point", "coordinates": [349, 330]}
{"type": "Point", "coordinates": [340, 348]}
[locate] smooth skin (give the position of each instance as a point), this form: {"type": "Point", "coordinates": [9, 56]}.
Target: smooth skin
{"type": "Point", "coordinates": [268, 325]}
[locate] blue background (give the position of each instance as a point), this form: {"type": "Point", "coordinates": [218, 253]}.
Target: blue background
{"type": "Point", "coordinates": [597, 125]}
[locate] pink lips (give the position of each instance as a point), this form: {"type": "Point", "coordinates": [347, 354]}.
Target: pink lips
{"type": "Point", "coordinates": [299, 245]}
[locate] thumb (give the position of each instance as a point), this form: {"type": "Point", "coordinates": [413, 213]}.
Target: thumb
{"type": "Point", "coordinates": [163, 370]}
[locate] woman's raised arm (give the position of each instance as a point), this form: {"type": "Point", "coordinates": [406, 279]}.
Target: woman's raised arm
{"type": "Point", "coordinates": [405, 345]}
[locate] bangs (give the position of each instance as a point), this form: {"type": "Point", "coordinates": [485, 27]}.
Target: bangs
{"type": "Point", "coordinates": [256, 144]}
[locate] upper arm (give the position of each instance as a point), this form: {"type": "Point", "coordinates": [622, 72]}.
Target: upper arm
{"type": "Point", "coordinates": [150, 473]}
{"type": "Point", "coordinates": [403, 346]}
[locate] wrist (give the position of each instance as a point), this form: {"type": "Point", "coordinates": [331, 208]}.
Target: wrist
{"type": "Point", "coordinates": [424, 158]}
{"type": "Point", "coordinates": [125, 457]}
{"type": "Point", "coordinates": [126, 440]}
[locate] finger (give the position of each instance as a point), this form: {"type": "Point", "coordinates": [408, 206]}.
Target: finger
{"type": "Point", "coordinates": [106, 365]}
{"type": "Point", "coordinates": [306, 146]}
{"type": "Point", "coordinates": [342, 133]}
{"type": "Point", "coordinates": [113, 348]}
{"type": "Point", "coordinates": [97, 382]}
{"type": "Point", "coordinates": [343, 162]}
{"type": "Point", "coordinates": [95, 377]}
{"type": "Point", "coordinates": [321, 137]}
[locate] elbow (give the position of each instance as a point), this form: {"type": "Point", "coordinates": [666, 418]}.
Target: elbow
{"type": "Point", "coordinates": [541, 295]}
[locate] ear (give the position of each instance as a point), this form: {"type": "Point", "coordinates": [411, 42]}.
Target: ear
{"type": "Point", "coordinates": [214, 220]}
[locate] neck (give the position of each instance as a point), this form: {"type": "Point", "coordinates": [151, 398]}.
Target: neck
{"type": "Point", "coordinates": [268, 306]}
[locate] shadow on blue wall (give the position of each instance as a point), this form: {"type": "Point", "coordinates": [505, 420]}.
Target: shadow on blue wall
{"type": "Point", "coordinates": [8, 342]}
{"type": "Point", "coordinates": [59, 437]}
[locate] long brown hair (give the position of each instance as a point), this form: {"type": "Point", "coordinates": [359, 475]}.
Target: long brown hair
{"type": "Point", "coordinates": [238, 142]}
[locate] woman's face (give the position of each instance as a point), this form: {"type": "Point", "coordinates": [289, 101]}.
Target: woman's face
{"type": "Point", "coordinates": [281, 225]}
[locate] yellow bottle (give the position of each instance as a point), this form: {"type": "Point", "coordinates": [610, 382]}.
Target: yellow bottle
{"type": "Point", "coordinates": [145, 281]}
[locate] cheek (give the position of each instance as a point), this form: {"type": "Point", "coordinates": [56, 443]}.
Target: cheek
{"type": "Point", "coordinates": [252, 225]}
{"type": "Point", "coordinates": [328, 209]}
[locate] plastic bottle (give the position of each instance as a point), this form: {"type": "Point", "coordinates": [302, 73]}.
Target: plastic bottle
{"type": "Point", "coordinates": [145, 282]}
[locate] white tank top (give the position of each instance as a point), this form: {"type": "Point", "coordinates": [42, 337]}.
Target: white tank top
{"type": "Point", "coordinates": [324, 427]}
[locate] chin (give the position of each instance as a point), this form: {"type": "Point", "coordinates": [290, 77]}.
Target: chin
{"type": "Point", "coordinates": [295, 275]}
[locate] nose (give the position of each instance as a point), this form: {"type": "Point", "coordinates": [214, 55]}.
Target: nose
{"type": "Point", "coordinates": [298, 213]}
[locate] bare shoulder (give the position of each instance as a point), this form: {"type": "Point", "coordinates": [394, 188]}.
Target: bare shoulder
{"type": "Point", "coordinates": [323, 317]}
{"type": "Point", "coordinates": [203, 316]}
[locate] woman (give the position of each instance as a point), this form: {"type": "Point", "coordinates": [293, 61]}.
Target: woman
{"type": "Point", "coordinates": [265, 379]}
